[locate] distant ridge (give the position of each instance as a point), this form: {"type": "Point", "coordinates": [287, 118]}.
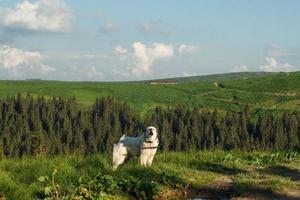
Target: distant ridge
{"type": "Point", "coordinates": [183, 79]}
{"type": "Point", "coordinates": [232, 91]}
{"type": "Point", "coordinates": [218, 77]}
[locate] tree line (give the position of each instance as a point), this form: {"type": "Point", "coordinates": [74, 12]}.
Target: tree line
{"type": "Point", "coordinates": [39, 126]}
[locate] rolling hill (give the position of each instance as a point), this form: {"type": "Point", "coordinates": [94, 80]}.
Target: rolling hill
{"type": "Point", "coordinates": [271, 91]}
{"type": "Point", "coordinates": [221, 77]}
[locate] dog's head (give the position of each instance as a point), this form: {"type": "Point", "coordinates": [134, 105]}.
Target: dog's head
{"type": "Point", "coordinates": [150, 134]}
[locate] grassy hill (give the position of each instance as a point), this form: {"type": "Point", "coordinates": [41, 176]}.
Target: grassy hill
{"type": "Point", "coordinates": [272, 91]}
{"type": "Point", "coordinates": [220, 77]}
{"type": "Point", "coordinates": [174, 175]}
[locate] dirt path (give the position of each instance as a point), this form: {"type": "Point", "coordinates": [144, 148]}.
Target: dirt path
{"type": "Point", "coordinates": [280, 94]}
{"type": "Point", "coordinates": [220, 188]}
{"type": "Point", "coordinates": [224, 188]}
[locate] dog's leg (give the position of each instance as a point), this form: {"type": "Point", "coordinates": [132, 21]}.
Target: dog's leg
{"type": "Point", "coordinates": [119, 155]}
{"type": "Point", "coordinates": [118, 161]}
{"type": "Point", "coordinates": [150, 160]}
{"type": "Point", "coordinates": [143, 158]}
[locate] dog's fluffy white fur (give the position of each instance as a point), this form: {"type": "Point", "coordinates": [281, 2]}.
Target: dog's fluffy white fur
{"type": "Point", "coordinates": [144, 146]}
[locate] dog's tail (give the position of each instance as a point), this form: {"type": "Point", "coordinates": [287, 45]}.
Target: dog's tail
{"type": "Point", "coordinates": [118, 158]}
{"type": "Point", "coordinates": [122, 137]}
{"type": "Point", "coordinates": [117, 145]}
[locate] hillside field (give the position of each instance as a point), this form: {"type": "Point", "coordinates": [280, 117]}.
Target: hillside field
{"type": "Point", "coordinates": [270, 91]}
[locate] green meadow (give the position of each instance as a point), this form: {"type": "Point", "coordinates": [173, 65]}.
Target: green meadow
{"type": "Point", "coordinates": [177, 175]}
{"type": "Point", "coordinates": [267, 91]}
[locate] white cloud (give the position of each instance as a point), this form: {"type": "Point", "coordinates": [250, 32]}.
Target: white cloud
{"type": "Point", "coordinates": [89, 56]}
{"type": "Point", "coordinates": [144, 56]}
{"type": "Point", "coordinates": [141, 58]}
{"type": "Point", "coordinates": [120, 50]}
{"type": "Point", "coordinates": [44, 69]}
{"type": "Point", "coordinates": [241, 68]}
{"type": "Point", "coordinates": [274, 66]}
{"type": "Point", "coordinates": [42, 15]}
{"type": "Point", "coordinates": [94, 75]}
{"type": "Point", "coordinates": [187, 74]}
{"type": "Point", "coordinates": [188, 49]}
{"type": "Point", "coordinates": [121, 73]}
{"type": "Point", "coordinates": [109, 27]}
{"type": "Point", "coordinates": [17, 60]}
{"type": "Point", "coordinates": [12, 57]}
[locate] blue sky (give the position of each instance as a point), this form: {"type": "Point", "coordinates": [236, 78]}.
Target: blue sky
{"type": "Point", "coordinates": [108, 40]}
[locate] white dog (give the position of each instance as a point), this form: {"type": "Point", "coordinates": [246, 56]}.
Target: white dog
{"type": "Point", "coordinates": [144, 146]}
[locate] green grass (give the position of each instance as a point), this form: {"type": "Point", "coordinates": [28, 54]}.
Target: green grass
{"type": "Point", "coordinates": [266, 174]}
{"type": "Point", "coordinates": [221, 77]}
{"type": "Point", "coordinates": [268, 91]}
